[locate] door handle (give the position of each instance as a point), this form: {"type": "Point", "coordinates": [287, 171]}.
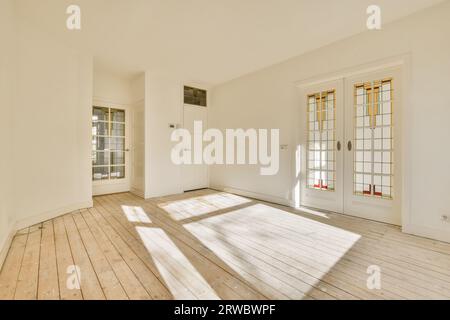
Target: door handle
{"type": "Point", "coordinates": [349, 145]}
{"type": "Point", "coordinates": [338, 146]}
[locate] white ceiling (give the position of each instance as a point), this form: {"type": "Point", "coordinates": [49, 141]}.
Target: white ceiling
{"type": "Point", "coordinates": [206, 41]}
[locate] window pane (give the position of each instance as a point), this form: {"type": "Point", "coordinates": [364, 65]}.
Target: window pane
{"type": "Point", "coordinates": [117, 115]}
{"type": "Point", "coordinates": [118, 172]}
{"type": "Point", "coordinates": [100, 173]}
{"type": "Point", "coordinates": [100, 114]}
{"type": "Point", "coordinates": [99, 143]}
{"type": "Point", "coordinates": [117, 158]}
{"type": "Point", "coordinates": [117, 129]}
{"type": "Point", "coordinates": [321, 141]}
{"type": "Point", "coordinates": [117, 144]}
{"type": "Point", "coordinates": [99, 128]}
{"type": "Point", "coordinates": [100, 158]}
{"type": "Point", "coordinates": [195, 96]}
{"type": "Point", "coordinates": [373, 134]}
{"type": "Point", "coordinates": [108, 143]}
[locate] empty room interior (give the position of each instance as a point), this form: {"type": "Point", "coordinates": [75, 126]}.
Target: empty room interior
{"type": "Point", "coordinates": [226, 149]}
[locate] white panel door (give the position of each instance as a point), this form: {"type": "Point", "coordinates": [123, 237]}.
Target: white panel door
{"type": "Point", "coordinates": [372, 177]}
{"type": "Point", "coordinates": [195, 176]}
{"type": "Point", "coordinates": [322, 151]}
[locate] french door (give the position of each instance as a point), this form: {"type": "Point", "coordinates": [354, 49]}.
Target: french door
{"type": "Point", "coordinates": [358, 172]}
{"type": "Point", "coordinates": [110, 159]}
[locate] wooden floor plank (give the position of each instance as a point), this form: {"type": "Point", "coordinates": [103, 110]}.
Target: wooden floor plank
{"type": "Point", "coordinates": [48, 270]}
{"type": "Point", "coordinates": [306, 288]}
{"type": "Point", "coordinates": [146, 276]}
{"type": "Point", "coordinates": [90, 284]}
{"type": "Point", "coordinates": [241, 288]}
{"type": "Point", "coordinates": [269, 290]}
{"type": "Point", "coordinates": [27, 283]}
{"type": "Point", "coordinates": [64, 261]}
{"type": "Point", "coordinates": [108, 280]}
{"type": "Point", "coordinates": [224, 284]}
{"type": "Point", "coordinates": [11, 267]}
{"type": "Point", "coordinates": [329, 256]}
{"type": "Point", "coordinates": [208, 245]}
{"type": "Point", "coordinates": [127, 278]}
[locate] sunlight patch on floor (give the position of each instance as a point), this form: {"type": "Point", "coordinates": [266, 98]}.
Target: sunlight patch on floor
{"type": "Point", "coordinates": [135, 214]}
{"type": "Point", "coordinates": [275, 246]}
{"type": "Point", "coordinates": [193, 207]}
{"type": "Point", "coordinates": [180, 276]}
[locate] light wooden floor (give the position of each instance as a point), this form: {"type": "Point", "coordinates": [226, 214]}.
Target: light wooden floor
{"type": "Point", "coordinates": [211, 245]}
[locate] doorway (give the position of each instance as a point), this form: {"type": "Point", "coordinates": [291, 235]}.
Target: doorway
{"type": "Point", "coordinates": [195, 176]}
{"type": "Point", "coordinates": [110, 149]}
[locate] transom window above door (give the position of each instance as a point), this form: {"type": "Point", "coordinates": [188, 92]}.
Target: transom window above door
{"type": "Point", "coordinates": [108, 143]}
{"type": "Point", "coordinates": [321, 141]}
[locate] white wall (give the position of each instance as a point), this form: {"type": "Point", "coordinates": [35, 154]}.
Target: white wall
{"type": "Point", "coordinates": [7, 82]}
{"type": "Point", "coordinates": [51, 128]}
{"type": "Point", "coordinates": [112, 88]}
{"type": "Point", "coordinates": [269, 99]}
{"type": "Point", "coordinates": [163, 105]}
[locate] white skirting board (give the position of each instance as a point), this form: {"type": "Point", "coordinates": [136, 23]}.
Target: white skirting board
{"type": "Point", "coordinates": [254, 195]}
{"type": "Point", "coordinates": [27, 222]}
{"type": "Point", "coordinates": [425, 232]}
{"type": "Point", "coordinates": [5, 244]}
{"type": "Point", "coordinates": [138, 192]}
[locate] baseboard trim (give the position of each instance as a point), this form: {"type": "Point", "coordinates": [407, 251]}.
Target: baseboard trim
{"type": "Point", "coordinates": [28, 222]}
{"type": "Point", "coordinates": [254, 195]}
{"type": "Point", "coordinates": [5, 244]}
{"type": "Point", "coordinates": [426, 232]}
{"type": "Point", "coordinates": [137, 192]}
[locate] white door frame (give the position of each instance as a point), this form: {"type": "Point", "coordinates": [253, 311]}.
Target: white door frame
{"type": "Point", "coordinates": [117, 185]}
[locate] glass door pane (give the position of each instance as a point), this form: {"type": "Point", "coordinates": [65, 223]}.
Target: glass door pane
{"type": "Point", "coordinates": [108, 143]}
{"type": "Point", "coordinates": [117, 129]}
{"type": "Point", "coordinates": [117, 172]}
{"type": "Point", "coordinates": [373, 156]}
{"type": "Point", "coordinates": [100, 143]}
{"type": "Point", "coordinates": [100, 114]}
{"type": "Point", "coordinates": [321, 141]}
{"type": "Point", "coordinates": [100, 158]}
{"type": "Point", "coordinates": [100, 173]}
{"type": "Point", "coordinates": [100, 128]}
{"type": "Point", "coordinates": [117, 144]}
{"type": "Point", "coordinates": [117, 115]}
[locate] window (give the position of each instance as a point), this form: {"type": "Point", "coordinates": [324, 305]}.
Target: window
{"type": "Point", "coordinates": [195, 96]}
{"type": "Point", "coordinates": [373, 169]}
{"type": "Point", "coordinates": [321, 141]}
{"type": "Point", "coordinates": [108, 143]}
